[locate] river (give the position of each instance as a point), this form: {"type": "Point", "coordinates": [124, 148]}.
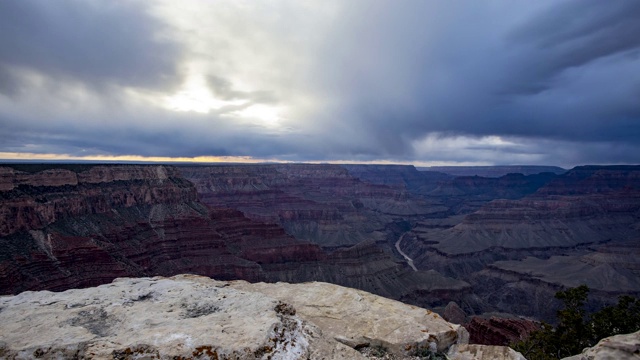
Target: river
{"type": "Point", "coordinates": [409, 260]}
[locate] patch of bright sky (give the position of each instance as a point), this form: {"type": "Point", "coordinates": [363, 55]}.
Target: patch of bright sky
{"type": "Point", "coordinates": [26, 156]}
{"type": "Point", "coordinates": [436, 141]}
{"type": "Point", "coordinates": [137, 158]}
{"type": "Point", "coordinates": [268, 116]}
{"type": "Point", "coordinates": [247, 44]}
{"type": "Point", "coordinates": [195, 95]}
{"type": "Point", "coordinates": [485, 149]}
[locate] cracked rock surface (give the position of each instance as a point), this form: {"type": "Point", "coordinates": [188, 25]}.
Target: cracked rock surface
{"type": "Point", "coordinates": [183, 316]}
{"type": "Point", "coordinates": [619, 347]}
{"type": "Point", "coordinates": [195, 317]}
{"type": "Point", "coordinates": [360, 319]}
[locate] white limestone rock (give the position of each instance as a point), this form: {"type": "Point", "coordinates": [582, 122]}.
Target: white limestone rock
{"type": "Point", "coordinates": [618, 347]}
{"type": "Point", "coordinates": [194, 317]}
{"type": "Point", "coordinates": [184, 316]}
{"type": "Point", "coordinates": [357, 318]}
{"type": "Point", "coordinates": [483, 352]}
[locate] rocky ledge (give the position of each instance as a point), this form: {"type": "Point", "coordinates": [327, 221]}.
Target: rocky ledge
{"type": "Point", "coordinates": [619, 347]}
{"type": "Point", "coordinates": [194, 317]}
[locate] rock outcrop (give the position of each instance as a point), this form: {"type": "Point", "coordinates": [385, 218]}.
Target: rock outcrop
{"type": "Point", "coordinates": [498, 330]}
{"type": "Point", "coordinates": [359, 319]}
{"type": "Point", "coordinates": [89, 224]}
{"type": "Point", "coordinates": [498, 245]}
{"type": "Point", "coordinates": [453, 313]}
{"type": "Point", "coordinates": [323, 203]}
{"type": "Point", "coordinates": [618, 347]}
{"type": "Point", "coordinates": [192, 317]}
{"type": "Point", "coordinates": [476, 352]}
{"type": "Point", "coordinates": [33, 200]}
{"type": "Point", "coordinates": [495, 171]}
{"type": "Point", "coordinates": [582, 227]}
{"type": "Point", "coordinates": [354, 220]}
{"type": "Point", "coordinates": [399, 176]}
{"type": "Point", "coordinates": [84, 225]}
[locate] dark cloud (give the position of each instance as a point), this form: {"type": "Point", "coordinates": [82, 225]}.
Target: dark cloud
{"type": "Point", "coordinates": [542, 82]}
{"type": "Point", "coordinates": [9, 84]}
{"type": "Point", "coordinates": [573, 34]}
{"type": "Point", "coordinates": [89, 41]}
{"type": "Point", "coordinates": [564, 71]}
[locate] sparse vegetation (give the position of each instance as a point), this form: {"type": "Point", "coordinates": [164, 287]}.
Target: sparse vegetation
{"type": "Point", "coordinates": [427, 354]}
{"type": "Point", "coordinates": [575, 330]}
{"type": "Point", "coordinates": [382, 353]}
{"type": "Point", "coordinates": [375, 352]}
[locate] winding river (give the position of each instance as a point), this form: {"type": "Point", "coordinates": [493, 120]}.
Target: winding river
{"type": "Point", "coordinates": [409, 260]}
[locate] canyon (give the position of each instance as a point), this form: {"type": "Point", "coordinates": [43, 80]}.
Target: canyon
{"type": "Point", "coordinates": [490, 250]}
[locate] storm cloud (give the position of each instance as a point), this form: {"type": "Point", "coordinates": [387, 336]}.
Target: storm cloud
{"type": "Point", "coordinates": [419, 82]}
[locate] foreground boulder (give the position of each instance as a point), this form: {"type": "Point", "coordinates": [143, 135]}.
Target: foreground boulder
{"type": "Point", "coordinates": [196, 317]}
{"type": "Point", "coordinates": [186, 317]}
{"type": "Point", "coordinates": [617, 347]}
{"type": "Point", "coordinates": [360, 319]}
{"type": "Point", "coordinates": [484, 352]}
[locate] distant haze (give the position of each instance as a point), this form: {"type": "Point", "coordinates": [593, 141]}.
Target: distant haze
{"type": "Point", "coordinates": [494, 171]}
{"type": "Point", "coordinates": [418, 81]}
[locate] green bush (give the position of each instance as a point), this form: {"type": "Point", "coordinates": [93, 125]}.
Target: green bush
{"type": "Point", "coordinates": [575, 330]}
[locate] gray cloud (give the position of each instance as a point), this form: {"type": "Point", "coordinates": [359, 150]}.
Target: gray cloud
{"type": "Point", "coordinates": [224, 90]}
{"type": "Point", "coordinates": [543, 82]}
{"type": "Point", "coordinates": [563, 72]}
{"type": "Point", "coordinates": [574, 34]}
{"type": "Point", "coordinates": [91, 41]}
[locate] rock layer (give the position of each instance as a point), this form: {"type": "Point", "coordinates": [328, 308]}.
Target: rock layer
{"type": "Point", "coordinates": [491, 245]}
{"type": "Point", "coordinates": [495, 171]}
{"type": "Point", "coordinates": [88, 227]}
{"type": "Point", "coordinates": [195, 317]}
{"type": "Point", "coordinates": [31, 201]}
{"type": "Point", "coordinates": [582, 227]}
{"type": "Point", "coordinates": [323, 204]}
{"type": "Point", "coordinates": [619, 347]}
{"type": "Point", "coordinates": [84, 225]}
{"type": "Point", "coordinates": [499, 331]}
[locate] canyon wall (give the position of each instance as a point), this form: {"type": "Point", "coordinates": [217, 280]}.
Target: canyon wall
{"type": "Point", "coordinates": [323, 204]}
{"type": "Point", "coordinates": [73, 226]}
{"type": "Point", "coordinates": [88, 227]}
{"type": "Point", "coordinates": [355, 222]}
{"type": "Point", "coordinates": [495, 171]}
{"type": "Point", "coordinates": [496, 246]}
{"type": "Point", "coordinates": [582, 227]}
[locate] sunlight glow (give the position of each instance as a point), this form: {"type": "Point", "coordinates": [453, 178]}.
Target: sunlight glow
{"type": "Point", "coordinates": [9, 157]}
{"type": "Point", "coordinates": [23, 156]}
{"type": "Point", "coordinates": [266, 114]}
{"type": "Point", "coordinates": [195, 96]}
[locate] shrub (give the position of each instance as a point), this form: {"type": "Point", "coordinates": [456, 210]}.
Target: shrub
{"type": "Point", "coordinates": [575, 330]}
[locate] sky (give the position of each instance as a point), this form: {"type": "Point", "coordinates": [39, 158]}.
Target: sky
{"type": "Point", "coordinates": [493, 82]}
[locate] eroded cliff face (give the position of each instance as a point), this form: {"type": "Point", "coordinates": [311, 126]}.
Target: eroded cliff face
{"type": "Point", "coordinates": [499, 331]}
{"type": "Point", "coordinates": [31, 201]}
{"type": "Point", "coordinates": [580, 228]}
{"type": "Point", "coordinates": [73, 226]}
{"type": "Point", "coordinates": [495, 171]}
{"type": "Point", "coordinates": [83, 225]}
{"type": "Point", "coordinates": [356, 222]}
{"type": "Point", "coordinates": [323, 204]}
{"type": "Point", "coordinates": [86, 228]}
